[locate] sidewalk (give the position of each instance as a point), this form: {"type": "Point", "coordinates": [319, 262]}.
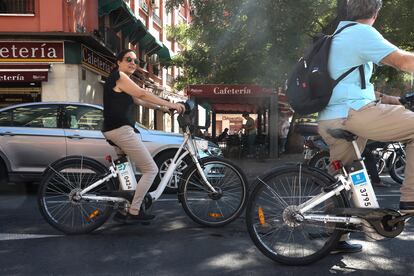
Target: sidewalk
{"type": "Point", "coordinates": [253, 168]}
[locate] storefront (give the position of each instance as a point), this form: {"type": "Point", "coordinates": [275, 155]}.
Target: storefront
{"type": "Point", "coordinates": [24, 69]}
{"type": "Point", "coordinates": [235, 99]}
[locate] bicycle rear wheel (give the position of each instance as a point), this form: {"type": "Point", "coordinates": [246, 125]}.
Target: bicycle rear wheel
{"type": "Point", "coordinates": [208, 208]}
{"type": "Point", "coordinates": [271, 221]}
{"type": "Point", "coordinates": [57, 195]}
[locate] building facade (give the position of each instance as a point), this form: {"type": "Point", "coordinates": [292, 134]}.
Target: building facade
{"type": "Point", "coordinates": [62, 50]}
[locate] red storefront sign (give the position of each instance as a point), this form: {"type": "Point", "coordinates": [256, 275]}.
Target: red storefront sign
{"type": "Point", "coordinates": [213, 90]}
{"type": "Point", "coordinates": [23, 72]}
{"type": "Point", "coordinates": [23, 76]}
{"type": "Point", "coordinates": [30, 51]}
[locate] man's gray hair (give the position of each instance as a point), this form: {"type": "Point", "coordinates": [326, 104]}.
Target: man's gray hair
{"type": "Point", "coordinates": [362, 9]}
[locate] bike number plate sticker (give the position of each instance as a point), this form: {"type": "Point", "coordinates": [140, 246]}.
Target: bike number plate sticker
{"type": "Point", "coordinates": [359, 178]}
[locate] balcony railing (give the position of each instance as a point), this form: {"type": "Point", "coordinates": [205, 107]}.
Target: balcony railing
{"type": "Point", "coordinates": [170, 79]}
{"type": "Point", "coordinates": [156, 18]}
{"type": "Point", "coordinates": [17, 7]}
{"type": "Point", "coordinates": [143, 4]}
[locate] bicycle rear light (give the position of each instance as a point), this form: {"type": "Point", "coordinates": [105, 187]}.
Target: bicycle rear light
{"type": "Point", "coordinates": [336, 164]}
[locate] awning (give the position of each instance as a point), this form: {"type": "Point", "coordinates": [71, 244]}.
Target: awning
{"type": "Point", "coordinates": [150, 44]}
{"type": "Point", "coordinates": [133, 29]}
{"type": "Point", "coordinates": [125, 19]}
{"type": "Point", "coordinates": [24, 72]}
{"type": "Point", "coordinates": [164, 54]}
{"type": "Point", "coordinates": [231, 98]}
{"type": "Point", "coordinates": [236, 98]}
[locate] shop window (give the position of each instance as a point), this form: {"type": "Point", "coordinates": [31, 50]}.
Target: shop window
{"type": "Point", "coordinates": [17, 6]}
{"type": "Point", "coordinates": [36, 116]}
{"type": "Point", "coordinates": [84, 118]}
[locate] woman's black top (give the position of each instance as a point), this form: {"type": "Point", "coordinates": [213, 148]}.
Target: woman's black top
{"type": "Point", "coordinates": [119, 107]}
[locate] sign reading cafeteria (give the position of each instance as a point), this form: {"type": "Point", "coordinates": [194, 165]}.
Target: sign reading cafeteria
{"type": "Point", "coordinates": [209, 90]}
{"type": "Point", "coordinates": [96, 62]}
{"type": "Point", "coordinates": [30, 51]}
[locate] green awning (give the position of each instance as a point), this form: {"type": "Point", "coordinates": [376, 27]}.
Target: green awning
{"type": "Point", "coordinates": [125, 19]}
{"type": "Point", "coordinates": [133, 28]}
{"type": "Point", "coordinates": [150, 44]}
{"type": "Point", "coordinates": [164, 54]}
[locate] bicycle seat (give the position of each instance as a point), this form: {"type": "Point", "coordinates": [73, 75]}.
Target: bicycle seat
{"type": "Point", "coordinates": [342, 134]}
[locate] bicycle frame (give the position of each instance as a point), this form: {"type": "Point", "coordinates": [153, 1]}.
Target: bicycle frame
{"type": "Point", "coordinates": [365, 199]}
{"type": "Point", "coordinates": [188, 146]}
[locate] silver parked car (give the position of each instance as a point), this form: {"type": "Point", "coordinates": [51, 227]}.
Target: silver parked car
{"type": "Point", "coordinates": [33, 135]}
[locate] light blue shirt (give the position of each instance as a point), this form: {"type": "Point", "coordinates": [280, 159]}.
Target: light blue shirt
{"type": "Point", "coordinates": [355, 45]}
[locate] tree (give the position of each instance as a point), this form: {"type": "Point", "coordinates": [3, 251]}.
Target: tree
{"type": "Point", "coordinates": [247, 41]}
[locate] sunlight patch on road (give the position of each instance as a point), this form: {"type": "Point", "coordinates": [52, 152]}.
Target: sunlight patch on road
{"type": "Point", "coordinates": [9, 237]}
{"type": "Point", "coordinates": [230, 261]}
{"type": "Point", "coordinates": [406, 236]}
{"type": "Point", "coordinates": [375, 255]}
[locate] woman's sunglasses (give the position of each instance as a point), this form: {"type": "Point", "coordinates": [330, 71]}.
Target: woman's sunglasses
{"type": "Point", "coordinates": [129, 59]}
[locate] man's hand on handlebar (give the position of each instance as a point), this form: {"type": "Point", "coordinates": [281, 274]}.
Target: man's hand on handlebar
{"type": "Point", "coordinates": [387, 99]}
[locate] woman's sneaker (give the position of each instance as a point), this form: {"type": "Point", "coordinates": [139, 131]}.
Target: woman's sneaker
{"type": "Point", "coordinates": [141, 217]}
{"type": "Point", "coordinates": [129, 218]}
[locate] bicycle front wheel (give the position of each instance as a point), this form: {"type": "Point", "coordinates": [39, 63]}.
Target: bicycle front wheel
{"type": "Point", "coordinates": [206, 207]}
{"type": "Point", "coordinates": [57, 197]}
{"type": "Point", "coordinates": [272, 222]}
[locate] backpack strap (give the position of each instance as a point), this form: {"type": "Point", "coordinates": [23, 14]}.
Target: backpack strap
{"type": "Point", "coordinates": [360, 67]}
{"type": "Point", "coordinates": [361, 74]}
{"type": "Point", "coordinates": [343, 28]}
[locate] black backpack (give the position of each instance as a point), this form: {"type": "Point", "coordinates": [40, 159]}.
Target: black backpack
{"type": "Point", "coordinates": [309, 86]}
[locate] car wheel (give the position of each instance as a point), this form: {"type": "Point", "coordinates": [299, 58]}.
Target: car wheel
{"type": "Point", "coordinates": [163, 161]}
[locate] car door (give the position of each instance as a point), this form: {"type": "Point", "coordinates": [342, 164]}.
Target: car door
{"type": "Point", "coordinates": [82, 127]}
{"type": "Point", "coordinates": [32, 139]}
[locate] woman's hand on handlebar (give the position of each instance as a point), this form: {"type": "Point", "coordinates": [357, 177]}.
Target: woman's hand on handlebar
{"type": "Point", "coordinates": [180, 108]}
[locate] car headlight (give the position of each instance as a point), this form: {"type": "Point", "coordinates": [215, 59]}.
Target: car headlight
{"type": "Point", "coordinates": [214, 150]}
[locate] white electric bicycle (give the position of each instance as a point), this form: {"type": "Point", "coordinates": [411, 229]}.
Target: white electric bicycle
{"type": "Point", "coordinates": [78, 194]}
{"type": "Point", "coordinates": [296, 214]}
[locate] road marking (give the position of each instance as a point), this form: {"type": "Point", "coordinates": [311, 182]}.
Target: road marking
{"type": "Point", "coordinates": [9, 237]}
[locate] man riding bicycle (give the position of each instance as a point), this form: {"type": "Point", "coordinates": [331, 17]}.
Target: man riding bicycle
{"type": "Point", "coordinates": [355, 106]}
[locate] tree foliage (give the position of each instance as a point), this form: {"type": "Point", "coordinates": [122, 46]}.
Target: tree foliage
{"type": "Point", "coordinates": [257, 42]}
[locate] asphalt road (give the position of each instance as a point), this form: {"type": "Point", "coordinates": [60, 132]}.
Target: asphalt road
{"type": "Point", "coordinates": [173, 245]}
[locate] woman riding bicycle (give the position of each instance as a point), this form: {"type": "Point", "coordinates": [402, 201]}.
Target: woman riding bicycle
{"type": "Point", "coordinates": [121, 95]}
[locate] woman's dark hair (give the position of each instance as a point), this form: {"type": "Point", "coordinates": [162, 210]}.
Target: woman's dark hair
{"type": "Point", "coordinates": [245, 114]}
